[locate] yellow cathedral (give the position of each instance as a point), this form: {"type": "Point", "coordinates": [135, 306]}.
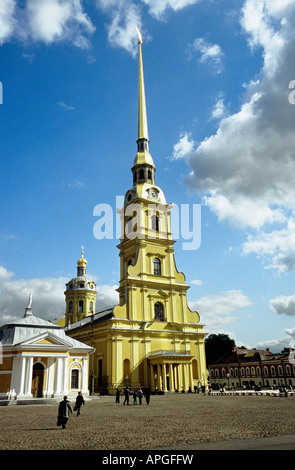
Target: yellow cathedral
{"type": "Point", "coordinates": [151, 339]}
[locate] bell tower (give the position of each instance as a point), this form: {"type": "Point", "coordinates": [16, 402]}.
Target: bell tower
{"type": "Point", "coordinates": [151, 288]}
{"type": "Point", "coordinates": [80, 294]}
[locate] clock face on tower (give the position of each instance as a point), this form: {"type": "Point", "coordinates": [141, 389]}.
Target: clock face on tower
{"type": "Point", "coordinates": [153, 194]}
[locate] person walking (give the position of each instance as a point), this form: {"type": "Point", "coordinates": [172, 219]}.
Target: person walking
{"type": "Point", "coordinates": [117, 395]}
{"type": "Point", "coordinates": [140, 395]}
{"type": "Point", "coordinates": [79, 402]}
{"type": "Point", "coordinates": [147, 396]}
{"type": "Point", "coordinates": [64, 411]}
{"type": "Point", "coordinates": [126, 394]}
{"type": "Point", "coordinates": [135, 397]}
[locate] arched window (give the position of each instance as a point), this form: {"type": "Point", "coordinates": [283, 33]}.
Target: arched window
{"type": "Point", "coordinates": [157, 267]}
{"type": "Point", "coordinates": [195, 369]}
{"type": "Point", "coordinates": [141, 174]}
{"type": "Point", "coordinates": [159, 311]}
{"type": "Point", "coordinates": [75, 379]}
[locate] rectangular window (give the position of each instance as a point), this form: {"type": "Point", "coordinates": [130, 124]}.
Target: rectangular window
{"type": "Point", "coordinates": [81, 306]}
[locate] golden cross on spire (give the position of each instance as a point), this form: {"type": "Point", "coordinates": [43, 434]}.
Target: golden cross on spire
{"type": "Point", "coordinates": [82, 248]}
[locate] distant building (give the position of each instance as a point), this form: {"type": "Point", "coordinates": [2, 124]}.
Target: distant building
{"type": "Point", "coordinates": [251, 367]}
{"type": "Point", "coordinates": [40, 360]}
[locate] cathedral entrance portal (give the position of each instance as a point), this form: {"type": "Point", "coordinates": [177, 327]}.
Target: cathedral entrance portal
{"type": "Point", "coordinates": [171, 371]}
{"type": "Point", "coordinates": [37, 380]}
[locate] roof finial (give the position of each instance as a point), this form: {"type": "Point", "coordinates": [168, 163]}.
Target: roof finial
{"type": "Point", "coordinates": [28, 311]}
{"type": "Point", "coordinates": [30, 300]}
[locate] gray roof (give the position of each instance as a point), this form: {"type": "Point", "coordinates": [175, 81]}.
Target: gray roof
{"type": "Point", "coordinates": [30, 327]}
{"type": "Point", "coordinates": [98, 317]}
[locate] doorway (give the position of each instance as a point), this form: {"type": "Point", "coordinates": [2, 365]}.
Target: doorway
{"type": "Point", "coordinates": [37, 380]}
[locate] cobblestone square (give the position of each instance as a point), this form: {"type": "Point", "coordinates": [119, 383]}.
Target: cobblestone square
{"type": "Point", "coordinates": [169, 421]}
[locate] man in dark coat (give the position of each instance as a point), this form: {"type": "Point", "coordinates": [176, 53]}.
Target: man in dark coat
{"type": "Point", "coordinates": [147, 396]}
{"type": "Point", "coordinates": [64, 411]}
{"type": "Point", "coordinates": [126, 393]}
{"type": "Point", "coordinates": [79, 402]}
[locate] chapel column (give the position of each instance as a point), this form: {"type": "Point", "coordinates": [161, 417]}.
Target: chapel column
{"type": "Point", "coordinates": [28, 376]}
{"type": "Point", "coordinates": [50, 377]}
{"type": "Point", "coordinates": [84, 376]}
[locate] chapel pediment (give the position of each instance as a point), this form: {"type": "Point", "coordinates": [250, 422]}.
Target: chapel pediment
{"type": "Point", "coordinates": [47, 340]}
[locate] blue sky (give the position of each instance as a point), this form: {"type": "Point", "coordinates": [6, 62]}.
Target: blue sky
{"type": "Point", "coordinates": [221, 118]}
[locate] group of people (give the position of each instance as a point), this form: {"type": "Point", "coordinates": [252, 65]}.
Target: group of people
{"type": "Point", "coordinates": [65, 409]}
{"type": "Point", "coordinates": [136, 394]}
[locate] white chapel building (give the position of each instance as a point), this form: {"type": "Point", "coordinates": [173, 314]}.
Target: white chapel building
{"type": "Point", "coordinates": [37, 359]}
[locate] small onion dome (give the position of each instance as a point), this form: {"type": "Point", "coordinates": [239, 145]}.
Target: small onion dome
{"type": "Point", "coordinates": [82, 261]}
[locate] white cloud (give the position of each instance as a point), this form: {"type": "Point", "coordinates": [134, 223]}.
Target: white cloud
{"type": "Point", "coordinates": [46, 21]}
{"type": "Point", "coordinates": [158, 7]}
{"type": "Point", "coordinates": [66, 106]}
{"type": "Point", "coordinates": [54, 20]}
{"type": "Point", "coordinates": [210, 53]}
{"type": "Point", "coordinates": [276, 248]}
{"type": "Point", "coordinates": [125, 16]}
{"type": "Point", "coordinates": [183, 147]}
{"type": "Point", "coordinates": [245, 171]}
{"type": "Point", "coordinates": [218, 311]}
{"type": "Point", "coordinates": [107, 296]}
{"type": "Point", "coordinates": [197, 282]}
{"type": "Point", "coordinates": [283, 305]}
{"type": "Point", "coordinates": [219, 109]}
{"type": "Point", "coordinates": [7, 19]}
{"type": "Point", "coordinates": [5, 274]}
{"type": "Point", "coordinates": [48, 296]}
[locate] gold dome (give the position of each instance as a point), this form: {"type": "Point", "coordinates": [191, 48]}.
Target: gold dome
{"type": "Point", "coordinates": [82, 261]}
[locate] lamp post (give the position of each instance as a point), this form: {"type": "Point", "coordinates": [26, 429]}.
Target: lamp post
{"type": "Point", "coordinates": [126, 378]}
{"type": "Point", "coordinates": [155, 377]}
{"type": "Point", "coordinates": [227, 380]}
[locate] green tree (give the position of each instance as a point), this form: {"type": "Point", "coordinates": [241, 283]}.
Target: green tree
{"type": "Point", "coordinates": [217, 346]}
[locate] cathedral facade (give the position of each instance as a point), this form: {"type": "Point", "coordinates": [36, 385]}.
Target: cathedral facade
{"type": "Point", "coordinates": [151, 338]}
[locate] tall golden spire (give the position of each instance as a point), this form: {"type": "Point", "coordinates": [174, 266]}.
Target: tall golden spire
{"type": "Point", "coordinates": [142, 130]}
{"type": "Point", "coordinates": [143, 166]}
